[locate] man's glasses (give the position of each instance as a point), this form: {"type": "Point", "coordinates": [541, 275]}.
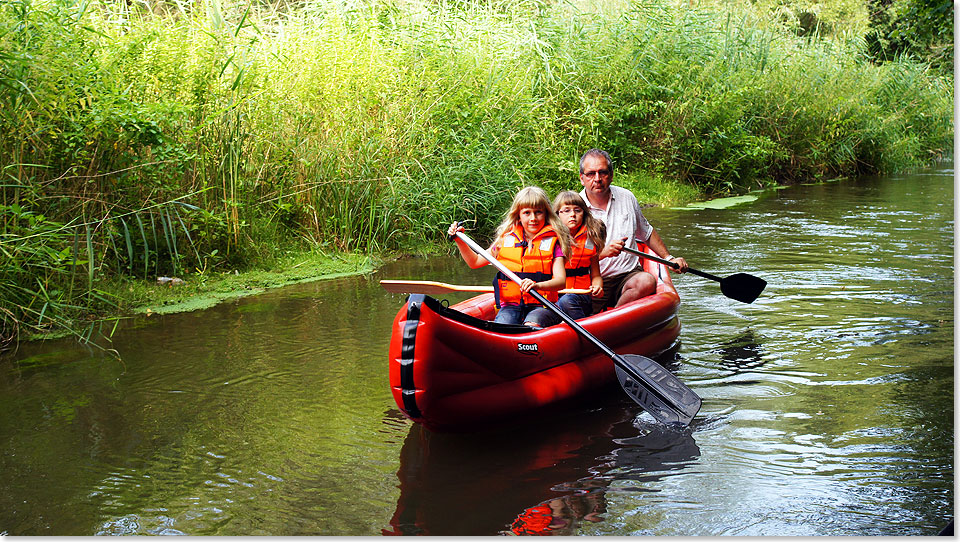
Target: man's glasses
{"type": "Point", "coordinates": [596, 173]}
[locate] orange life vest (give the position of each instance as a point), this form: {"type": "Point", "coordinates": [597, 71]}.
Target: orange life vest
{"type": "Point", "coordinates": [578, 264]}
{"type": "Point", "coordinates": [532, 260]}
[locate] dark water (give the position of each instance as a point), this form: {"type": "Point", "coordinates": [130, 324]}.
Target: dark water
{"type": "Point", "coordinates": [828, 403]}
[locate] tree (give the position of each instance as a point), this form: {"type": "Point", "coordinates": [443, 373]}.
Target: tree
{"type": "Point", "coordinates": [921, 29]}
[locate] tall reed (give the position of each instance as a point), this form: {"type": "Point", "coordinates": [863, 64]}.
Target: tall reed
{"type": "Point", "coordinates": [369, 125]}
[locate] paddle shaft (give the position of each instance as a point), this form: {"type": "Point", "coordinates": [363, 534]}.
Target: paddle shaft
{"type": "Point", "coordinates": [642, 378]}
{"type": "Point", "coordinates": [430, 286]}
{"type": "Point", "coordinates": [743, 287]}
{"type": "Point", "coordinates": [671, 264]}
{"type": "Point", "coordinates": [537, 295]}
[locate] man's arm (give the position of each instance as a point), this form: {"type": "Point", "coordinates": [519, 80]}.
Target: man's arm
{"type": "Point", "coordinates": [658, 246]}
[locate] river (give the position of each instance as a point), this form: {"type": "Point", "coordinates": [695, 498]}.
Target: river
{"type": "Point", "coordinates": [828, 404]}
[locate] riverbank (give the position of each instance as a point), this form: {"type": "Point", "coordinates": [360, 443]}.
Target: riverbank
{"type": "Point", "coordinates": [200, 291]}
{"type": "Point", "coordinates": [120, 297]}
{"type": "Point", "coordinates": [123, 298]}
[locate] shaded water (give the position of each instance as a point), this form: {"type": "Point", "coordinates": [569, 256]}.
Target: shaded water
{"type": "Point", "coordinates": [828, 403]}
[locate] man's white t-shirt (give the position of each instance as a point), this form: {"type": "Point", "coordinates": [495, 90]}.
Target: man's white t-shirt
{"type": "Point", "coordinates": [623, 218]}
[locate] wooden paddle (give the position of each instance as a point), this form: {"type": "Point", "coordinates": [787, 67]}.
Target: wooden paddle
{"type": "Point", "coordinates": [431, 287]}
{"type": "Point", "coordinates": [647, 382]}
{"type": "Point", "coordinates": [741, 286]}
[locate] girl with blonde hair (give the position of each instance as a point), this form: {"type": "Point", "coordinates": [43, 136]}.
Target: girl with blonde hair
{"type": "Point", "coordinates": [583, 260]}
{"type": "Point", "coordinates": [532, 242]}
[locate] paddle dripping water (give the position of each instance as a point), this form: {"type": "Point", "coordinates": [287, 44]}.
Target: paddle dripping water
{"type": "Point", "coordinates": [827, 402]}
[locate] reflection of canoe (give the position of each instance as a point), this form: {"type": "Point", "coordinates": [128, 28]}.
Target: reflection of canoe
{"type": "Point", "coordinates": [470, 484]}
{"type": "Point", "coordinates": [492, 482]}
{"type": "Point", "coordinates": [452, 368]}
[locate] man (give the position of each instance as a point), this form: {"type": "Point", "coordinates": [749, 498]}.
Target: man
{"type": "Point", "coordinates": [623, 279]}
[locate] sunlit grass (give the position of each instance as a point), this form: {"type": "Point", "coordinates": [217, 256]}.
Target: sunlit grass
{"type": "Point", "coordinates": [367, 127]}
{"type": "Point", "coordinates": [654, 189]}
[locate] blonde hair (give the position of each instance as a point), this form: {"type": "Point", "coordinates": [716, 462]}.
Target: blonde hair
{"type": "Point", "coordinates": [534, 197]}
{"type": "Point", "coordinates": [596, 229]}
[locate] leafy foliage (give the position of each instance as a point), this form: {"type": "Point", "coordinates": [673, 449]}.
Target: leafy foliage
{"type": "Point", "coordinates": [921, 29]}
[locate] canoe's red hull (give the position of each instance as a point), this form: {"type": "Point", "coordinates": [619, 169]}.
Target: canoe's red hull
{"type": "Point", "coordinates": [451, 373]}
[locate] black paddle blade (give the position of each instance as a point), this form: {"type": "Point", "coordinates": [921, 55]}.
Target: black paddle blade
{"type": "Point", "coordinates": [742, 287]}
{"type": "Point", "coordinates": [660, 393]}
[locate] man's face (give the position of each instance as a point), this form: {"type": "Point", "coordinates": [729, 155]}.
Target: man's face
{"type": "Point", "coordinates": [596, 175]}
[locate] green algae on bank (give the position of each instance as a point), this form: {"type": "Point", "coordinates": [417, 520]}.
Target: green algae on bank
{"type": "Point", "coordinates": [204, 290]}
{"type": "Point", "coordinates": [128, 299]}
{"type": "Point", "coordinates": [719, 203]}
{"type": "Point", "coordinates": [206, 300]}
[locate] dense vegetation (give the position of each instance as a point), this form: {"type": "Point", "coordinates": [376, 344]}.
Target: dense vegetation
{"type": "Point", "coordinates": [173, 136]}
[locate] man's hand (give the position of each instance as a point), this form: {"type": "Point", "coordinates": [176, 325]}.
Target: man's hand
{"type": "Point", "coordinates": [613, 249]}
{"type": "Point", "coordinates": [681, 263]}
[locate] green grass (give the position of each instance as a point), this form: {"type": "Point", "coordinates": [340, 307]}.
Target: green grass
{"type": "Point", "coordinates": [166, 138]}
{"type": "Point", "coordinates": [655, 190]}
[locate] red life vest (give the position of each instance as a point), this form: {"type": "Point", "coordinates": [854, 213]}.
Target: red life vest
{"type": "Point", "coordinates": [578, 264]}
{"type": "Point", "coordinates": [532, 260]}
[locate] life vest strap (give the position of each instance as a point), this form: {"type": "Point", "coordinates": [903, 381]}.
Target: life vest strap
{"type": "Point", "coordinates": [535, 276]}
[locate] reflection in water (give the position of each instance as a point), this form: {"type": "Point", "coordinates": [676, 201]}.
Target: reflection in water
{"type": "Point", "coordinates": [743, 353]}
{"type": "Point", "coordinates": [506, 475]}
{"type": "Point", "coordinates": [640, 462]}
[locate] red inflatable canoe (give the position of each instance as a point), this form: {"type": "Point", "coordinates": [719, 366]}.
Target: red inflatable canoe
{"type": "Point", "coordinates": [452, 368]}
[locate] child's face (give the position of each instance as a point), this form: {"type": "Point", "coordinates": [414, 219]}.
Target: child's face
{"type": "Point", "coordinates": [572, 217]}
{"type": "Point", "coordinates": [532, 220]}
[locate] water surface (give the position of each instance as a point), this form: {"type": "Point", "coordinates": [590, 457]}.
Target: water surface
{"type": "Point", "coordinates": [828, 403]}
